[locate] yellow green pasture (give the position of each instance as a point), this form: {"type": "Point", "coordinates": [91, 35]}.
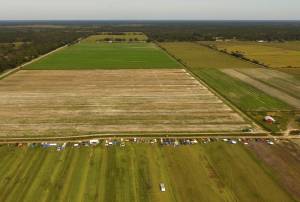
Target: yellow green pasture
{"type": "Point", "coordinates": [197, 56]}
{"type": "Point", "coordinates": [275, 54]}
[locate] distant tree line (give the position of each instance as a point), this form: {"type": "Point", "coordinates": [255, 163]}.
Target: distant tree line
{"type": "Point", "coordinates": [21, 41]}
{"type": "Point", "coordinates": [210, 30]}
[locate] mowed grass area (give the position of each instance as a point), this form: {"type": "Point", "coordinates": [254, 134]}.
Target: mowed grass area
{"type": "Point", "coordinates": [87, 55]}
{"type": "Point", "coordinates": [197, 56]}
{"type": "Point", "coordinates": [133, 173]}
{"type": "Point", "coordinates": [126, 36]}
{"type": "Point", "coordinates": [270, 54]}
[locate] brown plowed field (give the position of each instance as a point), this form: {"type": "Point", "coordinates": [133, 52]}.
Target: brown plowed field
{"type": "Point", "coordinates": [51, 102]}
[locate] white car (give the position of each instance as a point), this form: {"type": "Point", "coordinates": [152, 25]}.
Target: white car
{"type": "Point", "coordinates": [162, 187]}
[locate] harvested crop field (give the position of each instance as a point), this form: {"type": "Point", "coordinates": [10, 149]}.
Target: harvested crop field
{"type": "Point", "coordinates": [207, 172]}
{"type": "Point", "coordinates": [104, 101]}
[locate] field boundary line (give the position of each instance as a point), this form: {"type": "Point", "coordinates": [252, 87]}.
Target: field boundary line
{"type": "Point", "coordinates": [228, 54]}
{"type": "Point", "coordinates": [11, 71]}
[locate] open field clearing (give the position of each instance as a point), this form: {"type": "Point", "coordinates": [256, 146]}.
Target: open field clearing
{"type": "Point", "coordinates": [282, 81]}
{"type": "Point", "coordinates": [197, 56]}
{"type": "Point", "coordinates": [87, 55]}
{"type": "Point", "coordinates": [264, 87]}
{"type": "Point", "coordinates": [129, 36]}
{"type": "Point", "coordinates": [270, 54]}
{"type": "Point", "coordinates": [133, 173]}
{"type": "Point", "coordinates": [59, 103]}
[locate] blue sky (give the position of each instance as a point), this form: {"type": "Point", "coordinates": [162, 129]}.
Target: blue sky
{"type": "Point", "coordinates": [150, 9]}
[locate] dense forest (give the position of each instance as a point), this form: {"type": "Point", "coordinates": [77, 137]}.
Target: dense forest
{"type": "Point", "coordinates": [21, 41]}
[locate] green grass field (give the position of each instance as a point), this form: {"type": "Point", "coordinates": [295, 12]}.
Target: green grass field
{"type": "Point", "coordinates": [133, 173]}
{"type": "Point", "coordinates": [106, 56]}
{"type": "Point", "coordinates": [270, 54]}
{"type": "Point", "coordinates": [197, 56]}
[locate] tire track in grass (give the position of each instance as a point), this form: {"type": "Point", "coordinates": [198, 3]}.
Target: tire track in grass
{"type": "Point", "coordinates": [90, 184]}
{"type": "Point", "coordinates": [8, 159]}
{"type": "Point", "coordinates": [133, 169]}
{"type": "Point", "coordinates": [39, 186]}
{"type": "Point", "coordinates": [124, 173]}
{"type": "Point", "coordinates": [110, 185]}
{"type": "Point", "coordinates": [118, 186]}
{"type": "Point", "coordinates": [60, 174]}
{"type": "Point", "coordinates": [142, 176]}
{"type": "Point", "coordinates": [95, 175]}
{"type": "Point", "coordinates": [243, 174]}
{"type": "Point", "coordinates": [5, 152]}
{"type": "Point", "coordinates": [17, 173]}
{"type": "Point", "coordinates": [51, 182]}
{"type": "Point", "coordinates": [190, 177]}
{"type": "Point", "coordinates": [79, 175]}
{"type": "Point", "coordinates": [161, 163]}
{"type": "Point", "coordinates": [101, 179]}
{"type": "Point", "coordinates": [23, 188]}
{"type": "Point", "coordinates": [66, 183]}
{"type": "Point", "coordinates": [11, 168]}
